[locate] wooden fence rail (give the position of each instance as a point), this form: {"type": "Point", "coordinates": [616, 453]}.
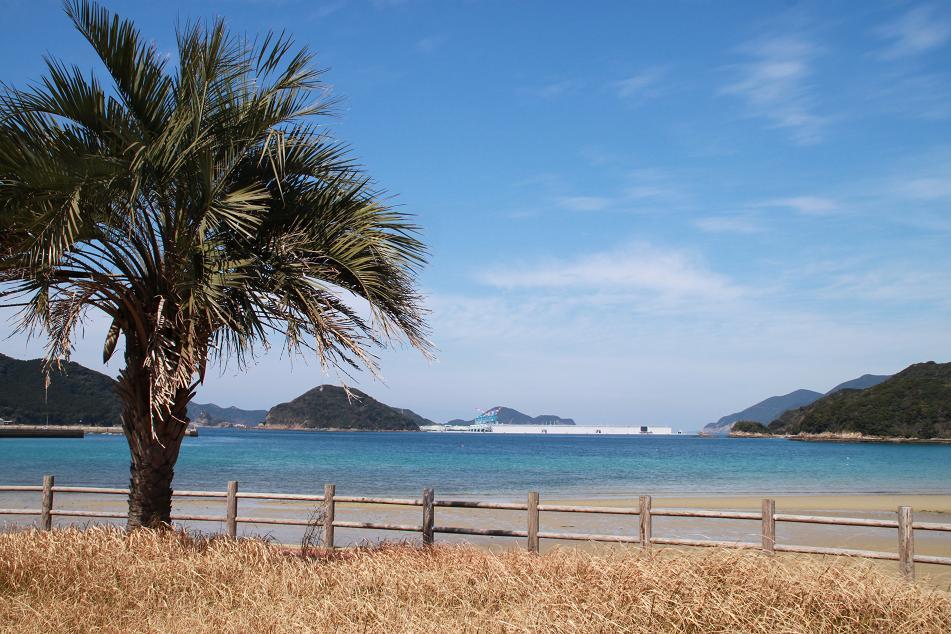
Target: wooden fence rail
{"type": "Point", "coordinates": [768, 517]}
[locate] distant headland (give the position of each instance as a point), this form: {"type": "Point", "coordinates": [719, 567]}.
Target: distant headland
{"type": "Point", "coordinates": [911, 406]}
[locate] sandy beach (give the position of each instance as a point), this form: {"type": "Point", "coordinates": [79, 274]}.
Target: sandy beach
{"type": "Point", "coordinates": [932, 503]}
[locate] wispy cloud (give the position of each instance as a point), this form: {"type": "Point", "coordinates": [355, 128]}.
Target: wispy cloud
{"type": "Point", "coordinates": [638, 267]}
{"type": "Point", "coordinates": [584, 203]}
{"type": "Point", "coordinates": [928, 188]}
{"type": "Point", "coordinates": [639, 86]}
{"type": "Point", "coordinates": [918, 31]}
{"type": "Point", "coordinates": [924, 180]}
{"type": "Point", "coordinates": [653, 186]}
{"type": "Point", "coordinates": [553, 88]}
{"type": "Point", "coordinates": [328, 8]}
{"type": "Point", "coordinates": [430, 44]}
{"type": "Point", "coordinates": [727, 224]}
{"type": "Point", "coordinates": [775, 85]}
{"type": "Point", "coordinates": [636, 190]}
{"type": "Point", "coordinates": [808, 205]}
{"type": "Point", "coordinates": [923, 95]}
{"type": "Point", "coordinates": [899, 283]}
{"type": "Point", "coordinates": [598, 156]}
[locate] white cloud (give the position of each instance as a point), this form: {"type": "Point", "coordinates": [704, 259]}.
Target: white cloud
{"type": "Point", "coordinates": [646, 270]}
{"type": "Point", "coordinates": [918, 31]}
{"type": "Point", "coordinates": [584, 203]}
{"type": "Point", "coordinates": [727, 224]}
{"type": "Point", "coordinates": [775, 84]}
{"type": "Point", "coordinates": [642, 85]}
{"type": "Point", "coordinates": [808, 205]}
{"type": "Point", "coordinates": [928, 188]}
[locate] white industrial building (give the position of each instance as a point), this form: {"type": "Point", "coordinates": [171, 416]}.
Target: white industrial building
{"type": "Point", "coordinates": [555, 430]}
{"type": "Point", "coordinates": [582, 430]}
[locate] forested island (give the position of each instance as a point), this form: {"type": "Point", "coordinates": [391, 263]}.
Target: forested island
{"type": "Point", "coordinates": [330, 407]}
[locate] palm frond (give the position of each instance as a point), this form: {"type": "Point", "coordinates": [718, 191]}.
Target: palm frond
{"type": "Point", "coordinates": [205, 209]}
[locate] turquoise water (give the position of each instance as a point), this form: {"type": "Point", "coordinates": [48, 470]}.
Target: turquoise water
{"type": "Point", "coordinates": [496, 466]}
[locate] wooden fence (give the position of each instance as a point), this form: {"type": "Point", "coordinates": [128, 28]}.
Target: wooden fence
{"type": "Point", "coordinates": [768, 517]}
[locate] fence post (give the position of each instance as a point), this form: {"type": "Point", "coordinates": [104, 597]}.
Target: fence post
{"type": "Point", "coordinates": [46, 515]}
{"type": "Point", "coordinates": [645, 517]}
{"type": "Point", "coordinates": [533, 522]}
{"type": "Point", "coordinates": [906, 543]}
{"type": "Point", "coordinates": [330, 508]}
{"type": "Point", "coordinates": [769, 526]}
{"type": "Point", "coordinates": [231, 514]}
{"type": "Point", "coordinates": [428, 517]}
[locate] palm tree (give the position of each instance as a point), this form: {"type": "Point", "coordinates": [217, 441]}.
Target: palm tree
{"type": "Point", "coordinates": [203, 210]}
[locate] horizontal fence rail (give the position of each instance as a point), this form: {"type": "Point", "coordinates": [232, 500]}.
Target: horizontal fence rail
{"type": "Point", "coordinates": [644, 511]}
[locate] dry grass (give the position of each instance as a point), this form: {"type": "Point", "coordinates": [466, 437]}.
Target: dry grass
{"type": "Point", "coordinates": [103, 580]}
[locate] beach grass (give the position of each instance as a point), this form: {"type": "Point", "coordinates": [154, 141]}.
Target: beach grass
{"type": "Point", "coordinates": [105, 580]}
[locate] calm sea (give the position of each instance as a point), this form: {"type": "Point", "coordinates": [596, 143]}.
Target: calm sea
{"type": "Point", "coordinates": [496, 466]}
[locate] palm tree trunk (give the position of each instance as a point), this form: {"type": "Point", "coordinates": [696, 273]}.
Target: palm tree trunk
{"type": "Point", "coordinates": [150, 486]}
{"type": "Point", "coordinates": [154, 442]}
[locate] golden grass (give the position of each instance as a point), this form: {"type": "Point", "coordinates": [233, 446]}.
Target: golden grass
{"type": "Point", "coordinates": [104, 580]}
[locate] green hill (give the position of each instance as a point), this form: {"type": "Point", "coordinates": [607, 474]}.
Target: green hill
{"type": "Point", "coordinates": [327, 407]}
{"type": "Point", "coordinates": [915, 403]}
{"type": "Point", "coordinates": [76, 395]}
{"type": "Point", "coordinates": [749, 427]}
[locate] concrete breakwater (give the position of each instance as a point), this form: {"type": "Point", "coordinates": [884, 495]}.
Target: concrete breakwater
{"type": "Point", "coordinates": [64, 431]}
{"type": "Point", "coordinates": [29, 431]}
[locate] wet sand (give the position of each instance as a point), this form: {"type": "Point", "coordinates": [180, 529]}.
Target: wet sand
{"type": "Point", "coordinates": [933, 503]}
{"type": "Point", "coordinates": [931, 508]}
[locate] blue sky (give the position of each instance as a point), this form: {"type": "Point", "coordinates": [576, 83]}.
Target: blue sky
{"type": "Point", "coordinates": [651, 213]}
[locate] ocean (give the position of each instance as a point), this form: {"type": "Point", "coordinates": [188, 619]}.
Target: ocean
{"type": "Point", "coordinates": [496, 466]}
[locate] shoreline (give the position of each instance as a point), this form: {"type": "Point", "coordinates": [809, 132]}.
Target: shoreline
{"type": "Point", "coordinates": [822, 437]}
{"type": "Point", "coordinates": [869, 439]}
{"type": "Point", "coordinates": [869, 504]}
{"type": "Point", "coordinates": [939, 503]}
{"type": "Point", "coordinates": [843, 438]}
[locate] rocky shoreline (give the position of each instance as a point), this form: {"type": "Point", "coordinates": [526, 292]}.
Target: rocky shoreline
{"type": "Point", "coordinates": [843, 437]}
{"type": "Point", "coordinates": [295, 427]}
